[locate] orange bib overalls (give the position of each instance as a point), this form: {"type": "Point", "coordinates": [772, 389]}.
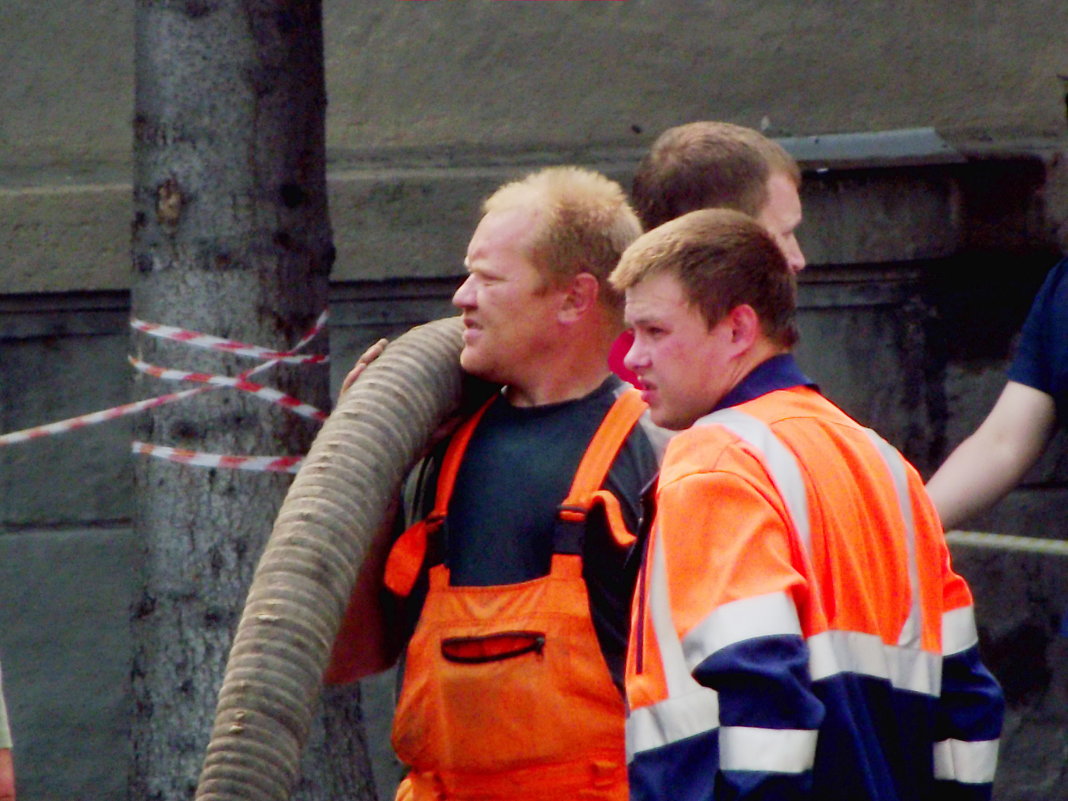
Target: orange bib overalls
{"type": "Point", "coordinates": [506, 694]}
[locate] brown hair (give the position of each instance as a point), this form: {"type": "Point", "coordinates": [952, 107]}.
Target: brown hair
{"type": "Point", "coordinates": [585, 223]}
{"type": "Point", "coordinates": [704, 165]}
{"type": "Point", "coordinates": [723, 259]}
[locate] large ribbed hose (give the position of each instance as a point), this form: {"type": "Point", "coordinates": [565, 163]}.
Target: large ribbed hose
{"type": "Point", "coordinates": [335, 507]}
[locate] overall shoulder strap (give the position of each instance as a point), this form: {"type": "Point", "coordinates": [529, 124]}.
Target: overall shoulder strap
{"type": "Point", "coordinates": [586, 487]}
{"type": "Point", "coordinates": [450, 463]}
{"type": "Point", "coordinates": [408, 555]}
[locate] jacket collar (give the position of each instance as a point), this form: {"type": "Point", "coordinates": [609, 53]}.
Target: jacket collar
{"type": "Point", "coordinates": [778, 372]}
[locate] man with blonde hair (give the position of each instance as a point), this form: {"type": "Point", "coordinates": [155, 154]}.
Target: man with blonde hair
{"type": "Point", "coordinates": [798, 631]}
{"type": "Point", "coordinates": [518, 605]}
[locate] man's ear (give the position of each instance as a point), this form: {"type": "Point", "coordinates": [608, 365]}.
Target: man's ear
{"type": "Point", "coordinates": [744, 326]}
{"type": "Point", "coordinates": [581, 296]}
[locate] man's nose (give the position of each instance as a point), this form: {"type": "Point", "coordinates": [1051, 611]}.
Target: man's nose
{"type": "Point", "coordinates": [635, 357]}
{"type": "Point", "coordinates": [464, 296]}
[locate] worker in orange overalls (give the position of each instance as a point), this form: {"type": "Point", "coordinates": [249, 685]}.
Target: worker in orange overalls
{"type": "Point", "coordinates": [798, 631]}
{"type": "Point", "coordinates": [515, 583]}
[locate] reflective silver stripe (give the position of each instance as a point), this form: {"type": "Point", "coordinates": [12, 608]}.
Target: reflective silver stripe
{"type": "Point", "coordinates": [676, 673]}
{"type": "Point", "coordinates": [760, 616]}
{"type": "Point", "coordinates": [903, 668]}
{"type": "Point", "coordinates": [689, 708]}
{"type": "Point", "coordinates": [835, 652]}
{"type": "Point", "coordinates": [780, 460]}
{"type": "Point", "coordinates": [966, 762]}
{"type": "Point", "coordinates": [831, 653]}
{"type": "Point", "coordinates": [911, 632]}
{"type": "Point", "coordinates": [771, 750]}
{"type": "Point", "coordinates": [672, 720]}
{"type": "Point", "coordinates": [958, 630]}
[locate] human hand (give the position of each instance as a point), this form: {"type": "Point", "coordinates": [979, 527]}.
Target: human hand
{"type": "Point", "coordinates": [365, 359]}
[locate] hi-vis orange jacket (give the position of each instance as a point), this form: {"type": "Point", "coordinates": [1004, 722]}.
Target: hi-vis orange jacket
{"type": "Point", "coordinates": [506, 694]}
{"type": "Point", "coordinates": [798, 631]}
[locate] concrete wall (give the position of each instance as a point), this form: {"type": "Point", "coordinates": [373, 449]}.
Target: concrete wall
{"type": "Point", "coordinates": [450, 87]}
{"type": "Point", "coordinates": [932, 136]}
{"type": "Point", "coordinates": [440, 76]}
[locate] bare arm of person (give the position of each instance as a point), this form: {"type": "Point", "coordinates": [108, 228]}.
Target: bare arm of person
{"type": "Point", "coordinates": [7, 775]}
{"type": "Point", "coordinates": [364, 645]}
{"type": "Point", "coordinates": [990, 462]}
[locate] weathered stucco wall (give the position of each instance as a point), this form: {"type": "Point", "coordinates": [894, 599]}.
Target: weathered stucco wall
{"type": "Point", "coordinates": [576, 74]}
{"type": "Point", "coordinates": [518, 76]}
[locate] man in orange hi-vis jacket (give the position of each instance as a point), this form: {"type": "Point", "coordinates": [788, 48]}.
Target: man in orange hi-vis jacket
{"type": "Point", "coordinates": [797, 631]}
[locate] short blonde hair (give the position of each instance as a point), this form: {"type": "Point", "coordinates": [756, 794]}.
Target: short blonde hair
{"type": "Point", "coordinates": [584, 223]}
{"type": "Point", "coordinates": [704, 165]}
{"type": "Point", "coordinates": [723, 259]}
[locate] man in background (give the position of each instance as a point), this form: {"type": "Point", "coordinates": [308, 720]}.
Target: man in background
{"type": "Point", "coordinates": [706, 165]}
{"type": "Point", "coordinates": [709, 165]}
{"type": "Point", "coordinates": [1033, 404]}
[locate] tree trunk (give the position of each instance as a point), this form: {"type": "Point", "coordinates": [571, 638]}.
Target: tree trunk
{"type": "Point", "coordinates": [230, 238]}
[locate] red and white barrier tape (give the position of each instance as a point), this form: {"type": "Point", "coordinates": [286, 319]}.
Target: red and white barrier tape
{"type": "Point", "coordinates": [269, 394]}
{"type": "Point", "coordinates": [74, 423]}
{"type": "Point", "coordinates": [196, 339]}
{"type": "Point", "coordinates": [277, 464]}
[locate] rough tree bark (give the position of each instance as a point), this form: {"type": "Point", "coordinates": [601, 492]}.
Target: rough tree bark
{"type": "Point", "coordinates": [231, 237]}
